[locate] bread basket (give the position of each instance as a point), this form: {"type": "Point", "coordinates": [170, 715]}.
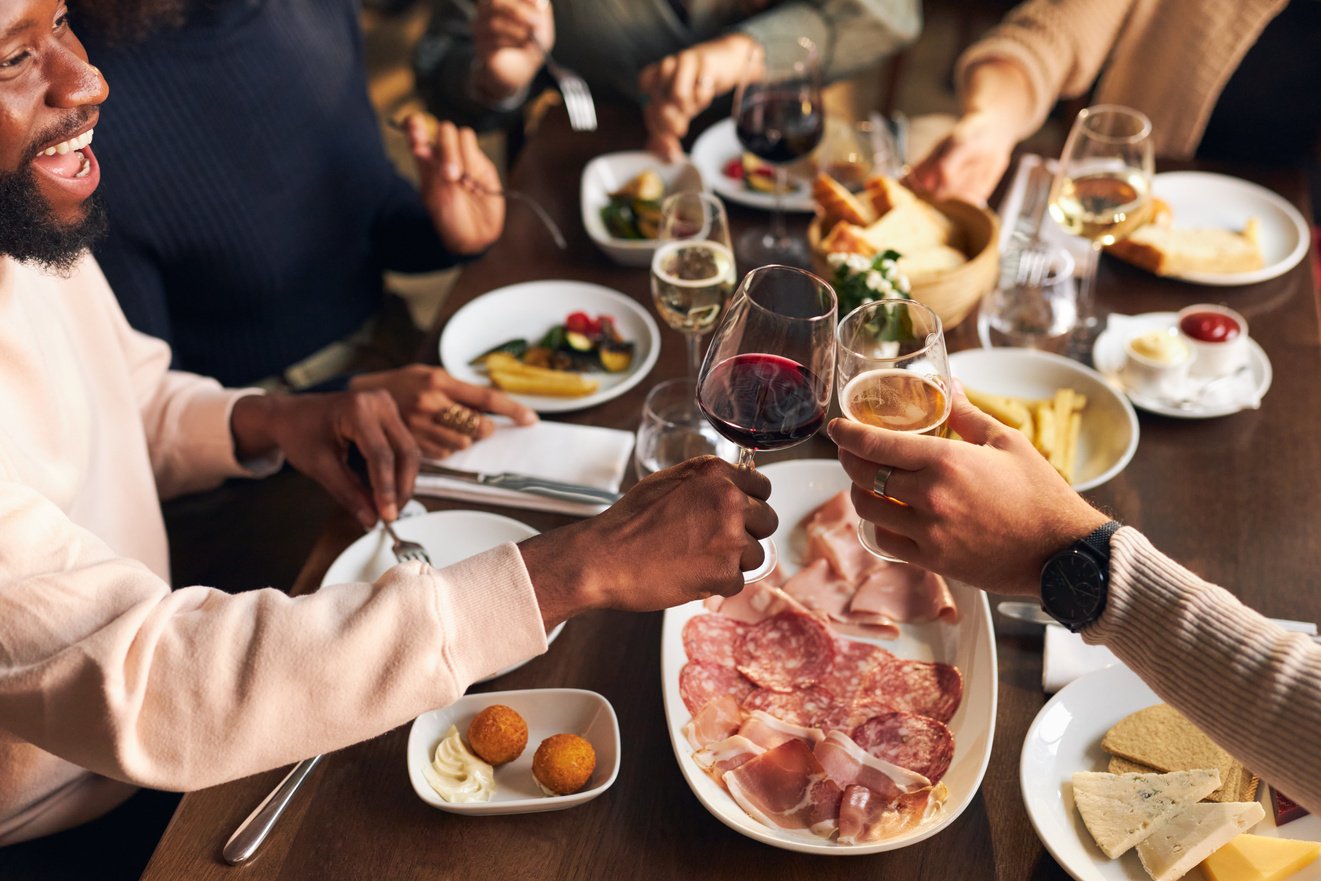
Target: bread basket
{"type": "Point", "coordinates": [953, 293]}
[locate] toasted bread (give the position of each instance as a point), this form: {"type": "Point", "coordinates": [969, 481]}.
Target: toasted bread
{"type": "Point", "coordinates": [910, 228]}
{"type": "Point", "coordinates": [1162, 738]}
{"type": "Point", "coordinates": [1161, 248]}
{"type": "Point", "coordinates": [886, 194]}
{"type": "Point", "coordinates": [838, 204]}
{"type": "Point", "coordinates": [850, 239]}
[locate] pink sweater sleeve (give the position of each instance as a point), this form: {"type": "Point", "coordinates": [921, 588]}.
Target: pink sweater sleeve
{"type": "Point", "coordinates": [1253, 687]}
{"type": "Point", "coordinates": [103, 666]}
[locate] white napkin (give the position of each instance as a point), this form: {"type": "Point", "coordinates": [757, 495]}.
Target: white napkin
{"type": "Point", "coordinates": [1066, 656]}
{"type": "Point", "coordinates": [1012, 203]}
{"type": "Point", "coordinates": [583, 454]}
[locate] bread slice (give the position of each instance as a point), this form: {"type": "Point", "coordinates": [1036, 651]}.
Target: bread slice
{"type": "Point", "coordinates": [1122, 809]}
{"type": "Point", "coordinates": [849, 238]}
{"type": "Point", "coordinates": [930, 263]}
{"type": "Point", "coordinates": [1167, 250]}
{"type": "Point", "coordinates": [1162, 738]}
{"type": "Point", "coordinates": [886, 194]}
{"type": "Point", "coordinates": [1193, 834]}
{"type": "Point", "coordinates": [910, 228]}
{"type": "Point", "coordinates": [838, 204]}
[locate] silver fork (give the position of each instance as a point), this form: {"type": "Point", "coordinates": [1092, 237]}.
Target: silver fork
{"type": "Point", "coordinates": [577, 97]}
{"type": "Point", "coordinates": [404, 550]}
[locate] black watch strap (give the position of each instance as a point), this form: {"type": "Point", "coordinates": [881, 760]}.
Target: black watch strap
{"type": "Point", "coordinates": [1099, 538]}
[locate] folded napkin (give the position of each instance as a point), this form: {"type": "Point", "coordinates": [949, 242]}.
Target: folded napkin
{"type": "Point", "coordinates": [1066, 656]}
{"type": "Point", "coordinates": [584, 454]}
{"type": "Point", "coordinates": [1012, 204]}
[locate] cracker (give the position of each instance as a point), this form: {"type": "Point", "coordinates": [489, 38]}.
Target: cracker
{"type": "Point", "coordinates": [1161, 738]}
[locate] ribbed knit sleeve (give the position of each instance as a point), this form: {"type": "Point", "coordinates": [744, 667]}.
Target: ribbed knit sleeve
{"type": "Point", "coordinates": [1254, 688]}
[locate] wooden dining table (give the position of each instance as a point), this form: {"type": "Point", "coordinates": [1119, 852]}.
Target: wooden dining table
{"type": "Point", "coordinates": [1233, 498]}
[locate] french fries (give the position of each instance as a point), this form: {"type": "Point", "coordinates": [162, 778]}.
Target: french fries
{"type": "Point", "coordinates": [512, 375]}
{"type": "Point", "coordinates": [1052, 424]}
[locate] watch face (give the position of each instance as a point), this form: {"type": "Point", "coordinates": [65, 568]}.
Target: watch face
{"type": "Point", "coordinates": [1072, 587]}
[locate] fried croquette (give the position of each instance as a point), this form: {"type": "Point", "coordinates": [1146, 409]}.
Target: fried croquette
{"type": "Point", "coordinates": [563, 764]}
{"type": "Point", "coordinates": [498, 734]}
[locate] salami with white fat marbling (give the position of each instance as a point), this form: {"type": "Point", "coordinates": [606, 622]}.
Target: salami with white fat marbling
{"type": "Point", "coordinates": [922, 687]}
{"type": "Point", "coordinates": [703, 681]}
{"type": "Point", "coordinates": [795, 707]}
{"type": "Point", "coordinates": [713, 639]}
{"type": "Point", "coordinates": [787, 651]}
{"type": "Point", "coordinates": [918, 743]}
{"type": "Point", "coordinates": [853, 661]}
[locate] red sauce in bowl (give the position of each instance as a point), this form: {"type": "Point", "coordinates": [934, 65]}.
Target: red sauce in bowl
{"type": "Point", "coordinates": [1209, 327]}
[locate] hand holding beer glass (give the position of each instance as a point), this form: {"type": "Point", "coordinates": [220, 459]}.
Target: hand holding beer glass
{"type": "Point", "coordinates": [893, 372]}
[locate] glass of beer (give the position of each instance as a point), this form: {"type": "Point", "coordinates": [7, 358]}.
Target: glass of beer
{"type": "Point", "coordinates": [893, 372]}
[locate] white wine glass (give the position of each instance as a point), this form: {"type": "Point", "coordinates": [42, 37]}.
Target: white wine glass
{"type": "Point", "coordinates": [893, 372]}
{"type": "Point", "coordinates": [1102, 190]}
{"type": "Point", "coordinates": [692, 271]}
{"type": "Point", "coordinates": [766, 381]}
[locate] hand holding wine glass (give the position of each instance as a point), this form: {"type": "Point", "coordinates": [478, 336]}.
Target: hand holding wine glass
{"type": "Point", "coordinates": [1102, 190]}
{"type": "Point", "coordinates": [692, 272]}
{"type": "Point", "coordinates": [766, 380]}
{"type": "Point", "coordinates": [893, 372]}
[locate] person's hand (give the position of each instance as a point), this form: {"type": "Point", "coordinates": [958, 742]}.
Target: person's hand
{"type": "Point", "coordinates": [315, 433]}
{"type": "Point", "coordinates": [969, 161]}
{"type": "Point", "coordinates": [681, 534]}
{"type": "Point", "coordinates": [506, 34]}
{"type": "Point", "coordinates": [460, 186]}
{"type": "Point", "coordinates": [987, 510]}
{"type": "Point", "coordinates": [444, 413]}
{"type": "Point", "coordinates": [680, 86]}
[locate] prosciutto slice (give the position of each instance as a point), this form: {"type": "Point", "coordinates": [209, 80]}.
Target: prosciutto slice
{"type": "Point", "coordinates": [847, 763]}
{"type": "Point", "coordinates": [866, 816]}
{"type": "Point", "coordinates": [787, 787]}
{"type": "Point", "coordinates": [715, 721]}
{"type": "Point", "coordinates": [769, 732]}
{"type": "Point", "coordinates": [726, 755]}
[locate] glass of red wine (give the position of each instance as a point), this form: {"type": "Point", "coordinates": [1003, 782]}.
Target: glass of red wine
{"type": "Point", "coordinates": [779, 118]}
{"type": "Point", "coordinates": [765, 383]}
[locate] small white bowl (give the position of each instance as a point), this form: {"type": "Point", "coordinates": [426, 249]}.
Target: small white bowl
{"type": "Point", "coordinates": [609, 172]}
{"type": "Point", "coordinates": [547, 711]}
{"type": "Point", "coordinates": [1219, 358]}
{"type": "Point", "coordinates": [1149, 376]}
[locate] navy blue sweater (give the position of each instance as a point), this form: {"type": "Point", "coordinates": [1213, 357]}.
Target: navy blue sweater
{"type": "Point", "coordinates": [252, 205]}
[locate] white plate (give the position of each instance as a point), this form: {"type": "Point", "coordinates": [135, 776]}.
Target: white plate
{"type": "Point", "coordinates": [799, 487]}
{"type": "Point", "coordinates": [1202, 200]}
{"type": "Point", "coordinates": [530, 309]}
{"type": "Point", "coordinates": [448, 536]}
{"type": "Point", "coordinates": [1108, 355]}
{"type": "Point", "coordinates": [713, 150]}
{"type": "Point", "coordinates": [547, 711]}
{"type": "Point", "coordinates": [1066, 737]}
{"type": "Point", "coordinates": [606, 174]}
{"type": "Point", "coordinates": [1109, 435]}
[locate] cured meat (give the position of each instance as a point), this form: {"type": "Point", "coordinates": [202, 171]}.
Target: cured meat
{"type": "Point", "coordinates": [901, 592]}
{"type": "Point", "coordinates": [818, 588]}
{"type": "Point", "coordinates": [755, 602]}
{"type": "Point", "coordinates": [795, 707]}
{"type": "Point", "coordinates": [832, 535]}
{"type": "Point", "coordinates": [925, 688]}
{"type": "Point", "coordinates": [847, 763]}
{"type": "Point", "coordinates": [726, 755]}
{"type": "Point", "coordinates": [768, 732]}
{"type": "Point", "coordinates": [845, 716]}
{"type": "Point", "coordinates": [854, 661]}
{"type": "Point", "coordinates": [917, 743]}
{"type": "Point", "coordinates": [788, 651]}
{"type": "Point", "coordinates": [866, 816]}
{"type": "Point", "coordinates": [701, 682]}
{"type": "Point", "coordinates": [712, 638]}
{"type": "Point", "coordinates": [719, 719]}
{"type": "Point", "coordinates": [787, 787]}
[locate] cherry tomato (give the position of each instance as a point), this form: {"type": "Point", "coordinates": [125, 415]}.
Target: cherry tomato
{"type": "Point", "coordinates": [581, 322]}
{"type": "Point", "coordinates": [733, 168]}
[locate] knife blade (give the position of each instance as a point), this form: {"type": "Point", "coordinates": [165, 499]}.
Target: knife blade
{"type": "Point", "coordinates": [555, 489]}
{"type": "Point", "coordinates": [1036, 615]}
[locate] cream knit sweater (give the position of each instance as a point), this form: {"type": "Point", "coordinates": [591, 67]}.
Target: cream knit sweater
{"type": "Point", "coordinates": [107, 677]}
{"type": "Point", "coordinates": [1168, 58]}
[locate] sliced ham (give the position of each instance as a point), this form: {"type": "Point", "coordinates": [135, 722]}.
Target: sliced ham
{"type": "Point", "coordinates": [785, 652]}
{"type": "Point", "coordinates": [754, 603]}
{"type": "Point", "coordinates": [787, 787]}
{"type": "Point", "coordinates": [712, 638]}
{"type": "Point", "coordinates": [726, 755]}
{"type": "Point", "coordinates": [800, 707]}
{"type": "Point", "coordinates": [818, 588]}
{"type": "Point", "coordinates": [847, 763]}
{"type": "Point", "coordinates": [865, 816]}
{"type": "Point", "coordinates": [900, 592]}
{"type": "Point", "coordinates": [719, 719]}
{"type": "Point", "coordinates": [922, 687]}
{"type": "Point", "coordinates": [910, 741]}
{"type": "Point", "coordinates": [769, 732]}
{"type": "Point", "coordinates": [701, 682]}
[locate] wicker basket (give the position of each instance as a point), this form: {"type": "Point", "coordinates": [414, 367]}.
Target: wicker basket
{"type": "Point", "coordinates": [952, 295]}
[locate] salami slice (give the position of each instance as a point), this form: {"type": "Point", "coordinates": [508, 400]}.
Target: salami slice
{"type": "Point", "coordinates": [846, 715]}
{"type": "Point", "coordinates": [702, 681]}
{"type": "Point", "coordinates": [713, 639]}
{"type": "Point", "coordinates": [795, 707]}
{"type": "Point", "coordinates": [910, 741]}
{"type": "Point", "coordinates": [786, 652]}
{"type": "Point", "coordinates": [853, 661]}
{"type": "Point", "coordinates": [928, 689]}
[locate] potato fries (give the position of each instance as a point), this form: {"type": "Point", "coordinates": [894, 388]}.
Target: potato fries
{"type": "Point", "coordinates": [512, 375]}
{"type": "Point", "coordinates": [1052, 424]}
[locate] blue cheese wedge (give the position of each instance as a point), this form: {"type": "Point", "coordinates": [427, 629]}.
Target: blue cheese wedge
{"type": "Point", "coordinates": [1193, 834]}
{"type": "Point", "coordinates": [1122, 809]}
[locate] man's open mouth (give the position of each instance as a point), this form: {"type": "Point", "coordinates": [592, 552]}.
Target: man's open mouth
{"type": "Point", "coordinates": [67, 159]}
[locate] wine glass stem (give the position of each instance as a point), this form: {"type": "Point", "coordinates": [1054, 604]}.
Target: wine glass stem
{"type": "Point", "coordinates": [747, 459]}
{"type": "Point", "coordinates": [1087, 289]}
{"type": "Point", "coordinates": [694, 354]}
{"type": "Point", "coordinates": [779, 234]}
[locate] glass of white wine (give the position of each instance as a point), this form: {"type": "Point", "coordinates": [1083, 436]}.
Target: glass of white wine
{"type": "Point", "coordinates": [893, 372]}
{"type": "Point", "coordinates": [692, 272]}
{"type": "Point", "coordinates": [1102, 189]}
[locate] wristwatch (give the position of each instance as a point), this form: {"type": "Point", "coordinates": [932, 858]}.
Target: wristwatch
{"type": "Point", "coordinates": [1076, 580]}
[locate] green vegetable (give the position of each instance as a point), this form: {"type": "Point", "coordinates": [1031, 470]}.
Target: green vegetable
{"type": "Point", "coordinates": [853, 290]}
{"type": "Point", "coordinates": [554, 338]}
{"type": "Point", "coordinates": [513, 347]}
{"type": "Point", "coordinates": [620, 219]}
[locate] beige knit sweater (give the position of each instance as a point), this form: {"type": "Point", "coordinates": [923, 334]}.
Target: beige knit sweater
{"type": "Point", "coordinates": [1168, 58]}
{"type": "Point", "coordinates": [109, 678]}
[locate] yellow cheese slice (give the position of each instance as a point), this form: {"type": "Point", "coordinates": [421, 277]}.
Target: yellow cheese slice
{"type": "Point", "coordinates": [1122, 809]}
{"type": "Point", "coordinates": [1258, 858]}
{"type": "Point", "coordinates": [1193, 834]}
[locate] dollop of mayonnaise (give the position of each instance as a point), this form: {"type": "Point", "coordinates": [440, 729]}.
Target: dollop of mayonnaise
{"type": "Point", "coordinates": [456, 774]}
{"type": "Point", "coordinates": [1160, 346]}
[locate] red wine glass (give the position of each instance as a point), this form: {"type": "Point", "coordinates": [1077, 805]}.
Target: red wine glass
{"type": "Point", "coordinates": [766, 381]}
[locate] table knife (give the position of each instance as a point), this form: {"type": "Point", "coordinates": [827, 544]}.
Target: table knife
{"type": "Point", "coordinates": [253, 831]}
{"type": "Point", "coordinates": [1036, 615]}
{"type": "Point", "coordinates": [556, 489]}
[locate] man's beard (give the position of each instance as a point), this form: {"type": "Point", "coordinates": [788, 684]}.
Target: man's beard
{"type": "Point", "coordinates": [29, 230]}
